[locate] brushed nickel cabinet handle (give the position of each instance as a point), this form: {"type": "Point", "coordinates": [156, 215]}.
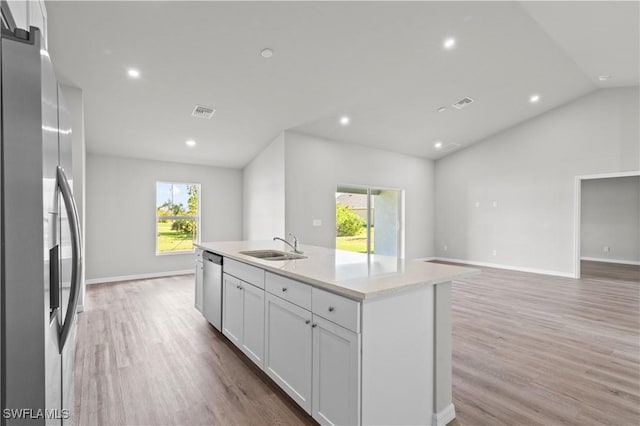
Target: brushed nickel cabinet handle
{"type": "Point", "coordinates": [331, 309]}
{"type": "Point", "coordinates": [314, 325]}
{"type": "Point", "coordinates": [284, 289]}
{"type": "Point", "coordinates": [307, 321]}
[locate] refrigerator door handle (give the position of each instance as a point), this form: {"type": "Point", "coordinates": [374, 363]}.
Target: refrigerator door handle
{"type": "Point", "coordinates": [76, 251]}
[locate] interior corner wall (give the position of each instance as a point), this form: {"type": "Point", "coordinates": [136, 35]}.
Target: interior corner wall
{"type": "Point", "coordinates": [509, 199]}
{"type": "Point", "coordinates": [610, 216]}
{"type": "Point", "coordinates": [121, 213]}
{"type": "Point", "coordinates": [314, 169]}
{"type": "Point", "coordinates": [263, 182]}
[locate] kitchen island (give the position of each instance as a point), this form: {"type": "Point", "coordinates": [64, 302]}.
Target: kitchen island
{"type": "Point", "coordinates": [353, 339]}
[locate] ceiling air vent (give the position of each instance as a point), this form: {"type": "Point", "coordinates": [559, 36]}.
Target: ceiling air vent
{"type": "Point", "coordinates": [463, 103]}
{"type": "Point", "coordinates": [203, 112]}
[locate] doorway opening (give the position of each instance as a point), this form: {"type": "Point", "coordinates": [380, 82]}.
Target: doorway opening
{"type": "Point", "coordinates": [369, 220]}
{"type": "Point", "coordinates": [607, 230]}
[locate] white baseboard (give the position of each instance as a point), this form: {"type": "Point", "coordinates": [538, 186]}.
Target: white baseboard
{"type": "Point", "coordinates": [621, 262]}
{"type": "Point", "coordinates": [444, 416]}
{"type": "Point", "coordinates": [509, 267]}
{"type": "Point", "coordinates": [138, 276]}
{"type": "Point", "coordinates": [425, 259]}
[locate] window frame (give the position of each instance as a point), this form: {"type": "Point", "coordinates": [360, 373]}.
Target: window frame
{"type": "Point", "coordinates": [185, 217]}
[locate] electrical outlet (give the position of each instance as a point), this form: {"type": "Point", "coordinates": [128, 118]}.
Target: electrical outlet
{"type": "Point", "coordinates": [494, 252]}
{"type": "Point", "coordinates": [316, 222]}
{"type": "Point", "coordinates": [477, 203]}
{"type": "Point", "coordinates": [495, 204]}
{"type": "Point", "coordinates": [607, 249]}
{"type": "Point", "coordinates": [445, 248]}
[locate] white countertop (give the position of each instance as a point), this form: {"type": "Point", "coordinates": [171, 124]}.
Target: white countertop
{"type": "Point", "coordinates": [354, 275]}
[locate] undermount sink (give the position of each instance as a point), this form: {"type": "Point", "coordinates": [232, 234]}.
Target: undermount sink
{"type": "Point", "coordinates": [272, 255]}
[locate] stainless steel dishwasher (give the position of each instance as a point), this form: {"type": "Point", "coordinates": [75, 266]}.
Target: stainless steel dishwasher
{"type": "Point", "coordinates": [212, 289]}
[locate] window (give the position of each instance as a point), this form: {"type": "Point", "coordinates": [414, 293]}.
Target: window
{"type": "Point", "coordinates": [369, 220]}
{"type": "Point", "coordinates": [177, 217]}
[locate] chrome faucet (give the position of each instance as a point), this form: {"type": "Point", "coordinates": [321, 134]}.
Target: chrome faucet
{"type": "Point", "coordinates": [294, 246]}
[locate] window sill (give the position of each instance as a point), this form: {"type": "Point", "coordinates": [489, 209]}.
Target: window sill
{"type": "Point", "coordinates": [173, 253]}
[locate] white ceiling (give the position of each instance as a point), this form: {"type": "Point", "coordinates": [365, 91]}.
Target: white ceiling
{"type": "Point", "coordinates": [381, 63]}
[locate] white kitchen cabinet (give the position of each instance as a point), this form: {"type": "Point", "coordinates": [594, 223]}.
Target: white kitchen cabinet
{"type": "Point", "coordinates": [336, 374]}
{"type": "Point", "coordinates": [243, 317]}
{"type": "Point", "coordinates": [232, 309]}
{"type": "Point", "coordinates": [379, 355]}
{"type": "Point", "coordinates": [309, 355]}
{"type": "Point", "coordinates": [335, 308]}
{"type": "Point", "coordinates": [253, 323]}
{"type": "Point", "coordinates": [246, 273]}
{"type": "Point", "coordinates": [288, 341]}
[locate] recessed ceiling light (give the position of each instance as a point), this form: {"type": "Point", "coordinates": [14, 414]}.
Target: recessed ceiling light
{"type": "Point", "coordinates": [344, 120]}
{"type": "Point", "coordinates": [266, 53]}
{"type": "Point", "coordinates": [449, 43]}
{"type": "Point", "coordinates": [534, 98]}
{"type": "Point", "coordinates": [437, 145]}
{"type": "Point", "coordinates": [442, 108]}
{"type": "Point", "coordinates": [190, 143]}
{"type": "Point", "coordinates": [605, 77]}
{"type": "Point", "coordinates": [134, 73]}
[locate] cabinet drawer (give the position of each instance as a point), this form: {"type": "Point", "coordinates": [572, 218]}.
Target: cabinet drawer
{"type": "Point", "coordinates": [338, 309]}
{"type": "Point", "coordinates": [245, 272]}
{"type": "Point", "coordinates": [287, 289]}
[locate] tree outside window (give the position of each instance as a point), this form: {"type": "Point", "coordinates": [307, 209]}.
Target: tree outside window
{"type": "Point", "coordinates": [177, 217]}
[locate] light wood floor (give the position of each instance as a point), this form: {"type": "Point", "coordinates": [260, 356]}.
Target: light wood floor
{"type": "Point", "coordinates": [527, 349]}
{"type": "Point", "coordinates": [145, 356]}
{"type": "Point", "coordinates": [609, 271]}
{"type": "Point", "coordinates": [532, 349]}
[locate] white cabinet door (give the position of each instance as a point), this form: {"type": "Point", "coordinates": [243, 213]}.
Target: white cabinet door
{"type": "Point", "coordinates": [199, 278]}
{"type": "Point", "coordinates": [287, 358]}
{"type": "Point", "coordinates": [253, 322]}
{"type": "Point", "coordinates": [232, 309]}
{"type": "Point", "coordinates": [336, 374]}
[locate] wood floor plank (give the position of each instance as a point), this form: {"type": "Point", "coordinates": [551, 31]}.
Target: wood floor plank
{"type": "Point", "coordinates": [535, 349]}
{"type": "Point", "coordinates": [527, 350]}
{"type": "Point", "coordinates": [145, 356]}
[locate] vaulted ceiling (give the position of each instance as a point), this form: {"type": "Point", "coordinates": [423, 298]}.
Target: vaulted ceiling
{"type": "Point", "coordinates": [382, 64]}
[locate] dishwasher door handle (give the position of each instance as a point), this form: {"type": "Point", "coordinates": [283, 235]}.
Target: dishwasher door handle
{"type": "Point", "coordinates": [212, 257]}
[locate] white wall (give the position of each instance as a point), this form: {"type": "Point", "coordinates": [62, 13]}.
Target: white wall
{"type": "Point", "coordinates": [610, 214]}
{"type": "Point", "coordinates": [20, 12]}
{"type": "Point", "coordinates": [314, 169]}
{"type": "Point", "coordinates": [263, 193]}
{"type": "Point", "coordinates": [121, 210]}
{"type": "Point", "coordinates": [529, 170]}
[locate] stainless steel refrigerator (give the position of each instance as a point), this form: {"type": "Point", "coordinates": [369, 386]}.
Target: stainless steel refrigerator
{"type": "Point", "coordinates": [40, 252]}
